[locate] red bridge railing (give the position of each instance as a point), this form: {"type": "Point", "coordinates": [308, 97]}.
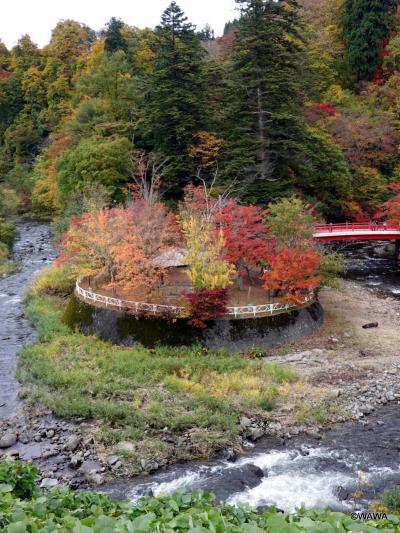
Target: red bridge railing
{"type": "Point", "coordinates": [354, 226]}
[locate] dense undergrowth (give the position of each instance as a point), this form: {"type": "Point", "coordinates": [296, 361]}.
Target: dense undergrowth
{"type": "Point", "coordinates": [62, 509]}
{"type": "Point", "coordinates": [138, 394]}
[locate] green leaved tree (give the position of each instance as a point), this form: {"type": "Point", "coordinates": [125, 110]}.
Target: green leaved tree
{"type": "Point", "coordinates": [114, 40]}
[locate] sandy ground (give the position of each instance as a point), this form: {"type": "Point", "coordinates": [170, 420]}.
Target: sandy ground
{"type": "Point", "coordinates": [347, 310]}
{"type": "Point", "coordinates": [349, 369]}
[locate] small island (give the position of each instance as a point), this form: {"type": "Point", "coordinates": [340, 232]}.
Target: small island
{"type": "Point", "coordinates": [209, 259]}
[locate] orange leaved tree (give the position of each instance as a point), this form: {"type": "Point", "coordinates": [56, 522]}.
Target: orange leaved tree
{"type": "Point", "coordinates": [292, 275]}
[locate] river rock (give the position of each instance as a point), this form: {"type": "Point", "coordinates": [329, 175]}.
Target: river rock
{"type": "Point", "coordinates": [72, 443]}
{"type": "Point", "coordinates": [48, 483]}
{"type": "Point", "coordinates": [94, 478]}
{"type": "Point", "coordinates": [8, 440]}
{"type": "Point", "coordinates": [255, 433]}
{"type": "Point", "coordinates": [390, 396]}
{"type": "Point", "coordinates": [112, 460]}
{"type": "Point", "coordinates": [76, 459]}
{"type": "Point", "coordinates": [229, 455]}
{"type": "Point", "coordinates": [90, 466]}
{"type": "Point", "coordinates": [244, 422]}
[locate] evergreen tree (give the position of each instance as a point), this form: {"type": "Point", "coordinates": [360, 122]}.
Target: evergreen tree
{"type": "Point", "coordinates": [232, 24]}
{"type": "Point", "coordinates": [365, 26]}
{"type": "Point", "coordinates": [264, 127]}
{"type": "Point", "coordinates": [114, 39]}
{"type": "Point", "coordinates": [206, 34]}
{"type": "Point", "coordinates": [176, 104]}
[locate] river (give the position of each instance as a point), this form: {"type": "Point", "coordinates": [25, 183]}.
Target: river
{"type": "Point", "coordinates": [316, 473]}
{"type": "Point", "coordinates": [32, 250]}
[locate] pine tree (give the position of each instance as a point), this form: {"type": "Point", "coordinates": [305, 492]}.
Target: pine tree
{"type": "Point", "coordinates": [175, 105]}
{"type": "Point", "coordinates": [114, 39]}
{"type": "Point", "coordinates": [264, 123]}
{"type": "Point", "coordinates": [365, 26]}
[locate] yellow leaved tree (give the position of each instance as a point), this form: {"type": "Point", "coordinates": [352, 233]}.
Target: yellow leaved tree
{"type": "Point", "coordinates": [207, 268]}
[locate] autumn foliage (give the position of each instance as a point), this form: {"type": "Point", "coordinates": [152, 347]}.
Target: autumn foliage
{"type": "Point", "coordinates": [119, 246]}
{"type": "Point", "coordinates": [390, 210]}
{"type": "Point", "coordinates": [206, 305]}
{"type": "Point", "coordinates": [225, 245]}
{"type": "Point", "coordinates": [293, 274]}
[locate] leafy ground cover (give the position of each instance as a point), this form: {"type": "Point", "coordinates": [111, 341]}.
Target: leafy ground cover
{"type": "Point", "coordinates": [138, 394]}
{"type": "Point", "coordinates": [62, 509]}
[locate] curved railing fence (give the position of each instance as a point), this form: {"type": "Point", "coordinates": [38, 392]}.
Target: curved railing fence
{"type": "Point", "coordinates": [143, 308]}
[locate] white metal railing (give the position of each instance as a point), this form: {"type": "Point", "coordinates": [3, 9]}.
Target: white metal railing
{"type": "Point", "coordinates": [246, 311]}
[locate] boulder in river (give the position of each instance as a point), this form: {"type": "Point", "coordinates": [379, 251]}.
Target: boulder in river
{"type": "Point", "coordinates": [232, 480]}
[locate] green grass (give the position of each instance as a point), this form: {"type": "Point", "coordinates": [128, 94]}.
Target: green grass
{"type": "Point", "coordinates": [54, 281]}
{"type": "Point", "coordinates": [134, 393]}
{"type": "Point", "coordinates": [311, 413]}
{"type": "Point", "coordinates": [8, 267]}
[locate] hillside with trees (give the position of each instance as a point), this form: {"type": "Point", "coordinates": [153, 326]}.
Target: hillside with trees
{"type": "Point", "coordinates": [296, 97]}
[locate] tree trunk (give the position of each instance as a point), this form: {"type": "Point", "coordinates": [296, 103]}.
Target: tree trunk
{"type": "Point", "coordinates": [263, 153]}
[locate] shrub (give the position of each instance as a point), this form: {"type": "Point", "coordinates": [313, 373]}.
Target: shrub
{"type": "Point", "coordinates": [64, 510]}
{"type": "Point", "coordinates": [206, 304]}
{"type": "Point", "coordinates": [18, 479]}
{"type": "Point", "coordinates": [6, 232]}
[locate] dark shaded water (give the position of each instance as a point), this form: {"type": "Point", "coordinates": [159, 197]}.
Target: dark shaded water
{"type": "Point", "coordinates": [32, 250]}
{"type": "Point", "coordinates": [374, 266]}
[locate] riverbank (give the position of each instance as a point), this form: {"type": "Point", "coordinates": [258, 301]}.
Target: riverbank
{"type": "Point", "coordinates": [333, 380]}
{"type": "Point", "coordinates": [355, 354]}
{"type": "Point", "coordinates": [163, 406]}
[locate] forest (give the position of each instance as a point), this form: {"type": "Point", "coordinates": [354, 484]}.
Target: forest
{"type": "Point", "coordinates": [295, 98]}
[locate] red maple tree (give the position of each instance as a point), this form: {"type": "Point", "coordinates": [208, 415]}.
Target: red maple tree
{"type": "Point", "coordinates": [245, 234]}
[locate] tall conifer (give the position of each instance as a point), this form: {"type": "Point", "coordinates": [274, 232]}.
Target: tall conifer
{"type": "Point", "coordinates": [365, 25]}
{"type": "Point", "coordinates": [176, 103]}
{"type": "Point", "coordinates": [264, 125]}
{"type": "Point", "coordinates": [114, 39]}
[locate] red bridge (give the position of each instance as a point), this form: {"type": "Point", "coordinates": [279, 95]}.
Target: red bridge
{"type": "Point", "coordinates": [357, 232]}
{"type": "Point", "coordinates": [350, 231]}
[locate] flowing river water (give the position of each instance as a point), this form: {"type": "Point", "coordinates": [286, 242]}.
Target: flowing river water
{"type": "Point", "coordinates": [32, 250]}
{"type": "Point", "coordinates": [316, 473]}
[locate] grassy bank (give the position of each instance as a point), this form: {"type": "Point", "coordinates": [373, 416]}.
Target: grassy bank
{"type": "Point", "coordinates": [142, 395]}
{"type": "Point", "coordinates": [6, 241]}
{"type": "Point", "coordinates": [23, 509]}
